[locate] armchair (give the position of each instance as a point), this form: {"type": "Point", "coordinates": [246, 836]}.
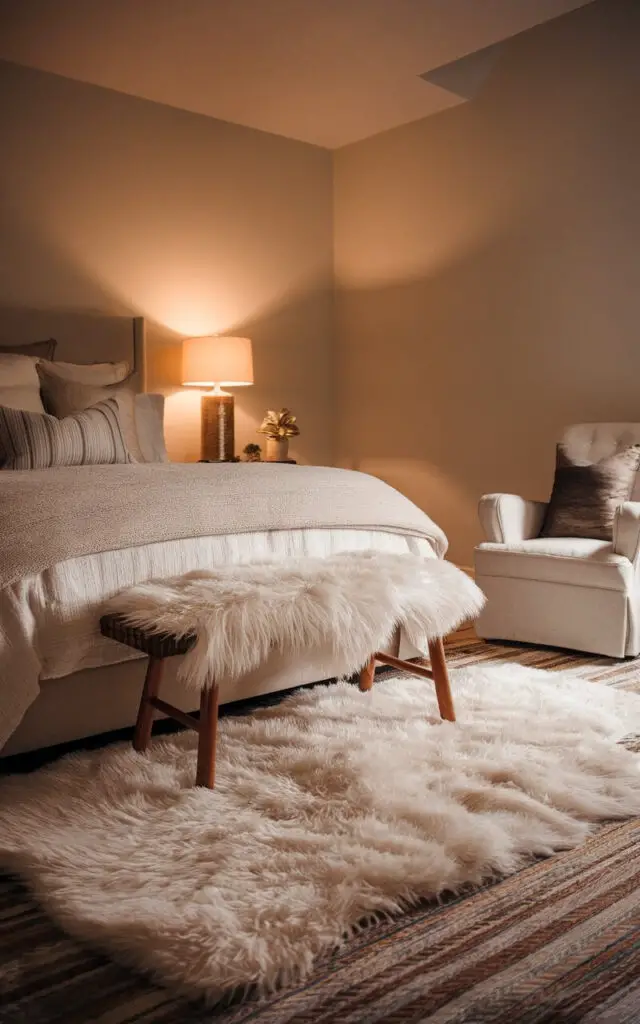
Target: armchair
{"type": "Point", "coordinates": [569, 592]}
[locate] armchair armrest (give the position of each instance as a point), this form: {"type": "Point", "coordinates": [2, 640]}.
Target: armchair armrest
{"type": "Point", "coordinates": [508, 518]}
{"type": "Point", "coordinates": [626, 530]}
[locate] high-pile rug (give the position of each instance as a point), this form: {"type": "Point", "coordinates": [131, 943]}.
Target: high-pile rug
{"type": "Point", "coordinates": [331, 809]}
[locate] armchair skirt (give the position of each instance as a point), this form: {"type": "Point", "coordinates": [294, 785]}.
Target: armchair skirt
{"type": "Point", "coordinates": [559, 592]}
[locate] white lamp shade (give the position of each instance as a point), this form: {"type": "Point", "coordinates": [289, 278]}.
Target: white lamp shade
{"type": "Point", "coordinates": [213, 360]}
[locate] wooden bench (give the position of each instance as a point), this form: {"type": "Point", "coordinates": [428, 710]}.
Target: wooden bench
{"type": "Point", "coordinates": [159, 647]}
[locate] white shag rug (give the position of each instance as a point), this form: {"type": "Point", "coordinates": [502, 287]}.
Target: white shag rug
{"type": "Point", "coordinates": [329, 808]}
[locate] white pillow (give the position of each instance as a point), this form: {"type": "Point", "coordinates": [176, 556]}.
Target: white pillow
{"type": "Point", "coordinates": [19, 383]}
{"type": "Point", "coordinates": [98, 374]}
{"type": "Point", "coordinates": [149, 418]}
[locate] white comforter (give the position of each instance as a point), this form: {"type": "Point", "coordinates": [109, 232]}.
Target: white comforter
{"type": "Point", "coordinates": [49, 621]}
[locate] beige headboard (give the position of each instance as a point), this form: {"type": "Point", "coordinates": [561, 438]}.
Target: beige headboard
{"type": "Point", "coordinates": [81, 337]}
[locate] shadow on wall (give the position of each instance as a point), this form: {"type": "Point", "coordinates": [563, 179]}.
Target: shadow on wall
{"type": "Point", "coordinates": [292, 354]}
{"type": "Point", "coordinates": [447, 391]}
{"type": "Point", "coordinates": [488, 271]}
{"type": "Point", "coordinates": [198, 225]}
{"type": "Point", "coordinates": [40, 272]}
{"type": "Point", "coordinates": [288, 316]}
{"type": "Point", "coordinates": [283, 375]}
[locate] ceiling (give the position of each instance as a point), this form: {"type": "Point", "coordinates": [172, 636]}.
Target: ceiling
{"type": "Point", "coordinates": [329, 72]}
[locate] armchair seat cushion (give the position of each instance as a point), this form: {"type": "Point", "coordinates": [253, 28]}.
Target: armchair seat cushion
{"type": "Point", "coordinates": [576, 561]}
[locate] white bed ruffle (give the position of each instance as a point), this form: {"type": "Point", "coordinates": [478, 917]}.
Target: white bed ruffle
{"type": "Point", "coordinates": [49, 621]}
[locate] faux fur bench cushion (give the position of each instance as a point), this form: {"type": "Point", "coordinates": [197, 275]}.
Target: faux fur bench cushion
{"type": "Point", "coordinates": [352, 601]}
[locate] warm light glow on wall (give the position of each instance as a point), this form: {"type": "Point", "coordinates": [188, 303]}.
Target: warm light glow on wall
{"type": "Point", "coordinates": [173, 285]}
{"type": "Point", "coordinates": [182, 425]}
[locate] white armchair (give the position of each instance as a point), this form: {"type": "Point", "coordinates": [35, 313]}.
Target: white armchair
{"type": "Point", "coordinates": [563, 591]}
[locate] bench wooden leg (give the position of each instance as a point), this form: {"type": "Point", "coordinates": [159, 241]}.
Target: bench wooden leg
{"type": "Point", "coordinates": [207, 735]}
{"type": "Point", "coordinates": [144, 721]}
{"type": "Point", "coordinates": [367, 675]}
{"type": "Point", "coordinates": [441, 680]}
{"type": "Point", "coordinates": [437, 672]}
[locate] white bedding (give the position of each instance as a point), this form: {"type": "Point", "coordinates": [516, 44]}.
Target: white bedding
{"type": "Point", "coordinates": [49, 621]}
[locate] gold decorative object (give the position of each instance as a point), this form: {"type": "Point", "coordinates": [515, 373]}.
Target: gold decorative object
{"type": "Point", "coordinates": [278, 427]}
{"type": "Point", "coordinates": [279, 424]}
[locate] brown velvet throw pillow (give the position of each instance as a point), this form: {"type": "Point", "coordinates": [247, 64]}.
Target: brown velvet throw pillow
{"type": "Point", "coordinates": [585, 495]}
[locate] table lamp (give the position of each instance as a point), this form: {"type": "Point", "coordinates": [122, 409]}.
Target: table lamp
{"type": "Point", "coordinates": [214, 362]}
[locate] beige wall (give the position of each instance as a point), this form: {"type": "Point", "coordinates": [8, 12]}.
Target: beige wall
{"type": "Point", "coordinates": [116, 204]}
{"type": "Point", "coordinates": [489, 272]}
{"type": "Point", "coordinates": [486, 259]}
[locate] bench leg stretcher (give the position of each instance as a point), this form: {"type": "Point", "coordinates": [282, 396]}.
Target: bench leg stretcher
{"type": "Point", "coordinates": [206, 725]}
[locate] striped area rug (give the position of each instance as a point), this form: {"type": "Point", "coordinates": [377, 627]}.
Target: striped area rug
{"type": "Point", "coordinates": [559, 942]}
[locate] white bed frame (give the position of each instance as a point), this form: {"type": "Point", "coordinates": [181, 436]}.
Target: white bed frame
{"type": "Point", "coordinates": [100, 700]}
{"type": "Point", "coordinates": [104, 699]}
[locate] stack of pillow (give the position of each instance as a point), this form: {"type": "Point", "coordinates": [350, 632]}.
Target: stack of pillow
{"type": "Point", "coordinates": [71, 414]}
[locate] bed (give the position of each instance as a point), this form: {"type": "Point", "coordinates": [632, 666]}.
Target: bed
{"type": "Point", "coordinates": [72, 537]}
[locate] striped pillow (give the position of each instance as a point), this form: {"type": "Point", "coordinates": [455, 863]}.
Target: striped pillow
{"type": "Point", "coordinates": [31, 440]}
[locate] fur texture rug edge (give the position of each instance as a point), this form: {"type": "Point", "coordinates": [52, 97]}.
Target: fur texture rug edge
{"type": "Point", "coordinates": [331, 808]}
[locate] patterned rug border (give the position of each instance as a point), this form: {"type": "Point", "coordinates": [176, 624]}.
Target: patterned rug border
{"type": "Point", "coordinates": [557, 942]}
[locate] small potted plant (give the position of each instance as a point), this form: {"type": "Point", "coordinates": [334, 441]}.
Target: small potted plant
{"type": "Point", "coordinates": [252, 452]}
{"type": "Point", "coordinates": [278, 427]}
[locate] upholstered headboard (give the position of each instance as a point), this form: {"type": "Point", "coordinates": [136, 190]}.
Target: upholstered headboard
{"type": "Point", "coordinates": [81, 337]}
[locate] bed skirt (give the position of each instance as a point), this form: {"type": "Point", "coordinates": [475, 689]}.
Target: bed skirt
{"type": "Point", "coordinates": [101, 700]}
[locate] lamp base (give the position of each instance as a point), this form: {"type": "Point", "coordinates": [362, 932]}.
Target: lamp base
{"type": "Point", "coordinates": [216, 426]}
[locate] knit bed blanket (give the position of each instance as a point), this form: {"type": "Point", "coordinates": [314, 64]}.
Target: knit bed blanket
{"type": "Point", "coordinates": [49, 516]}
